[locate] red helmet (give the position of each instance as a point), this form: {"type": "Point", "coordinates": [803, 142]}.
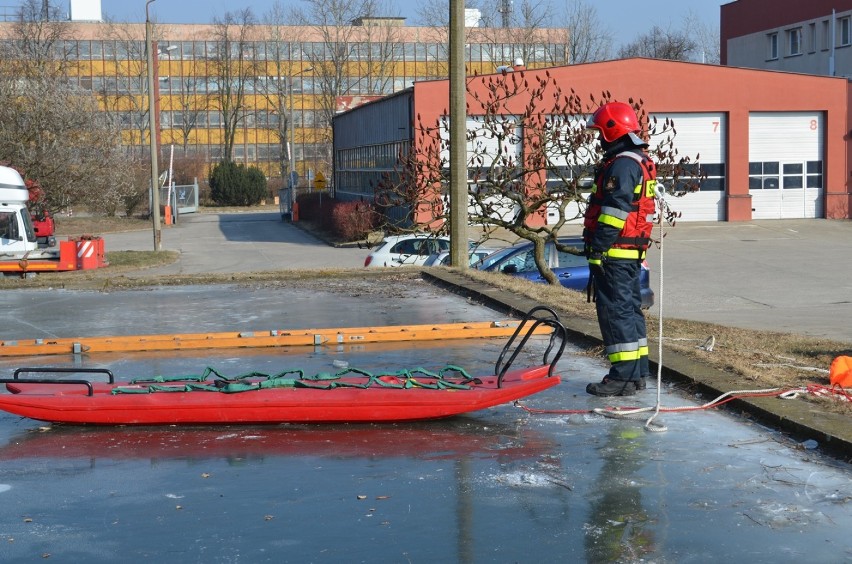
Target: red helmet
{"type": "Point", "coordinates": [614, 120]}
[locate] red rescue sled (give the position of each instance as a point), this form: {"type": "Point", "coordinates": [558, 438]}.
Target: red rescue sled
{"type": "Point", "coordinates": [351, 396]}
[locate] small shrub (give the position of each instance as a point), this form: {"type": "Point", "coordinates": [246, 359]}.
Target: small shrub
{"type": "Point", "coordinates": [353, 220]}
{"type": "Point", "coordinates": [348, 221]}
{"type": "Point", "coordinates": [233, 184]}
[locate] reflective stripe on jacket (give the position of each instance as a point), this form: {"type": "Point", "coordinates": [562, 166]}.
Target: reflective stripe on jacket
{"type": "Point", "coordinates": [622, 207]}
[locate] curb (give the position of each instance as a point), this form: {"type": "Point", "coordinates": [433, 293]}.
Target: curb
{"type": "Point", "coordinates": [800, 419]}
{"type": "Point", "coordinates": [320, 236]}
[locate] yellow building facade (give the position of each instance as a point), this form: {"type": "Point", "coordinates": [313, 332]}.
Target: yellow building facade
{"type": "Point", "coordinates": [233, 91]}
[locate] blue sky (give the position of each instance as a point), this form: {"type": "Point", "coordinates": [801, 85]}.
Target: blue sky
{"type": "Point", "coordinates": [625, 18]}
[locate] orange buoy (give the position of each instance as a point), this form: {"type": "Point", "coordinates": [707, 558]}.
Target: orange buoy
{"type": "Point", "coordinates": [840, 372]}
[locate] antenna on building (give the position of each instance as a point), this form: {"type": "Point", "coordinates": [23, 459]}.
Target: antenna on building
{"type": "Point", "coordinates": [505, 11]}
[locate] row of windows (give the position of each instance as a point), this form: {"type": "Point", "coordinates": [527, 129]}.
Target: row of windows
{"type": "Point", "coordinates": [765, 175]}
{"type": "Point", "coordinates": [202, 119]}
{"type": "Point", "coordinates": [363, 183]}
{"type": "Point", "coordinates": [100, 50]}
{"type": "Point", "coordinates": [711, 177]}
{"type": "Point", "coordinates": [201, 85]}
{"type": "Point", "coordinates": [383, 156]}
{"type": "Point", "coordinates": [768, 175]}
{"type": "Point", "coordinates": [268, 86]}
{"type": "Point", "coordinates": [795, 40]}
{"type": "Point", "coordinates": [196, 84]}
{"type": "Point", "coordinates": [259, 152]}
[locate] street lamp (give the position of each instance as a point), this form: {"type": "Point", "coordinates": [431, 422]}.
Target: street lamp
{"type": "Point", "coordinates": [152, 136]}
{"type": "Point", "coordinates": [292, 180]}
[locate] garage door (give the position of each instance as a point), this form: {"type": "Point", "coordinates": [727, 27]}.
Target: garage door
{"type": "Point", "coordinates": [701, 134]}
{"type": "Point", "coordinates": [484, 151]}
{"type": "Point", "coordinates": [786, 165]}
{"type": "Point", "coordinates": [566, 165]}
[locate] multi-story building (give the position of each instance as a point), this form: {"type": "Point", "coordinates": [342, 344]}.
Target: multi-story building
{"type": "Point", "coordinates": [233, 90]}
{"type": "Point", "coordinates": [813, 37]}
{"type": "Point", "coordinates": [771, 125]}
{"type": "Point", "coordinates": [771, 145]}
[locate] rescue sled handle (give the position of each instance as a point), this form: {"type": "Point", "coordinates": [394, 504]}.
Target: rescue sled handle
{"type": "Point", "coordinates": [539, 315]}
{"type": "Point", "coordinates": [58, 370]}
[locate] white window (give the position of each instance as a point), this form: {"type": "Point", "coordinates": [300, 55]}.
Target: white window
{"type": "Point", "coordinates": [812, 38]}
{"type": "Point", "coordinates": [772, 45]}
{"type": "Point", "coordinates": [794, 41]}
{"type": "Point", "coordinates": [845, 31]}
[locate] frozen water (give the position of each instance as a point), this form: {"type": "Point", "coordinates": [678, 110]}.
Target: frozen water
{"type": "Point", "coordinates": [501, 485]}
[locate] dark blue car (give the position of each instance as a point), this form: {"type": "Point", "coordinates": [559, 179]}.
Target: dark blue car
{"type": "Point", "coordinates": [572, 270]}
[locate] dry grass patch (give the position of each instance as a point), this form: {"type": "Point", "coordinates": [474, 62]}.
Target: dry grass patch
{"type": "Point", "coordinates": [96, 225]}
{"type": "Point", "coordinates": [763, 359]}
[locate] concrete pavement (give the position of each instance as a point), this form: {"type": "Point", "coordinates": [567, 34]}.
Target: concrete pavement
{"type": "Point", "coordinates": [237, 242]}
{"type": "Point", "coordinates": [793, 276]}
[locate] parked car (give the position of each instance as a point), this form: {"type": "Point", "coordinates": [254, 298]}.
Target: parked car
{"type": "Point", "coordinates": [572, 270]}
{"type": "Point", "coordinates": [443, 258]}
{"type": "Point", "coordinates": [406, 250]}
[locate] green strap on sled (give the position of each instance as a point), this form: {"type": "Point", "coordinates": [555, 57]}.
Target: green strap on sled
{"type": "Point", "coordinates": [211, 380]}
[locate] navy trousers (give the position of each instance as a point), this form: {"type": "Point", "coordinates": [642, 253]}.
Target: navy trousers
{"type": "Point", "coordinates": [622, 322]}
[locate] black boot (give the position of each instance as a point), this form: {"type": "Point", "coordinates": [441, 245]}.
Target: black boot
{"type": "Point", "coordinates": [607, 388]}
{"type": "Point", "coordinates": [642, 383]}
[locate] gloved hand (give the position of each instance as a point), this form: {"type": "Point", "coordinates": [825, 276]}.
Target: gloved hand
{"type": "Point", "coordinates": [596, 263]}
{"type": "Point", "coordinates": [596, 269]}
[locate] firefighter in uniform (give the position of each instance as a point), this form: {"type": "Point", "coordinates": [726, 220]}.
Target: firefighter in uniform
{"type": "Point", "coordinates": [617, 231]}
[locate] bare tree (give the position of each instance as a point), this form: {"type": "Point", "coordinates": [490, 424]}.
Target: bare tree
{"type": "Point", "coordinates": [188, 106]}
{"type": "Point", "coordinates": [436, 14]}
{"type": "Point", "coordinates": [39, 43]}
{"type": "Point", "coordinates": [528, 20]}
{"type": "Point", "coordinates": [706, 38]}
{"type": "Point", "coordinates": [436, 17]}
{"type": "Point", "coordinates": [529, 155]}
{"type": "Point", "coordinates": [233, 68]}
{"type": "Point", "coordinates": [529, 38]}
{"type": "Point", "coordinates": [57, 135]}
{"type": "Point", "coordinates": [588, 39]}
{"type": "Point", "coordinates": [351, 34]}
{"type": "Point", "coordinates": [276, 87]}
{"type": "Point", "coordinates": [672, 45]}
{"type": "Point", "coordinates": [379, 49]}
{"type": "Point", "coordinates": [49, 128]}
{"type": "Point", "coordinates": [119, 96]}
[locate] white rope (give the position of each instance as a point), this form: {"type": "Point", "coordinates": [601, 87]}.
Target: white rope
{"type": "Point", "coordinates": [650, 425]}
{"type": "Point", "coordinates": [708, 344]}
{"type": "Point", "coordinates": [633, 413]}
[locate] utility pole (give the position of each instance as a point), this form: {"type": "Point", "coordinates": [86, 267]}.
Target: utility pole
{"type": "Point", "coordinates": [152, 135]}
{"type": "Point", "coordinates": [459, 252]}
